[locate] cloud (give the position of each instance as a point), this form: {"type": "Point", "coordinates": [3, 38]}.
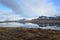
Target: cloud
{"type": "Point", "coordinates": [29, 8]}
{"type": "Point", "coordinates": [14, 5]}
{"type": "Point", "coordinates": [4, 15]}
{"type": "Point", "coordinates": [39, 8]}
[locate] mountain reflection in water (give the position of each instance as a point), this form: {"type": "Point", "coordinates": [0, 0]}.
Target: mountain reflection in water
{"type": "Point", "coordinates": [31, 25]}
{"type": "Point", "coordinates": [50, 26]}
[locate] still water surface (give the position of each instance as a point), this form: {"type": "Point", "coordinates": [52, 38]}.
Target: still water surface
{"type": "Point", "coordinates": [31, 25]}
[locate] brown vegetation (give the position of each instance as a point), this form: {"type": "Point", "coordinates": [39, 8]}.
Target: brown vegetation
{"type": "Point", "coordinates": [28, 34]}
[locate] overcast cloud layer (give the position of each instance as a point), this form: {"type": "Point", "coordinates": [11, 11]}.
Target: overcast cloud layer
{"type": "Point", "coordinates": [28, 8]}
{"type": "Point", "coordinates": [39, 7]}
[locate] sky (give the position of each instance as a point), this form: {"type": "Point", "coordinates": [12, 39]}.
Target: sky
{"type": "Point", "coordinates": [18, 9]}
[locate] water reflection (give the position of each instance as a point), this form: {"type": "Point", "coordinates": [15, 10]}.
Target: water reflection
{"type": "Point", "coordinates": [31, 25]}
{"type": "Point", "coordinates": [14, 24]}
{"type": "Point", "coordinates": [51, 24]}
{"type": "Point", "coordinates": [10, 24]}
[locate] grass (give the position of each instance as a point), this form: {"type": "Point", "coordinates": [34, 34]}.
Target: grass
{"type": "Point", "coordinates": [28, 34]}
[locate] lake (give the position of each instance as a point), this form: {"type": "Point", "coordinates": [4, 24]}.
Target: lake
{"type": "Point", "coordinates": [31, 25]}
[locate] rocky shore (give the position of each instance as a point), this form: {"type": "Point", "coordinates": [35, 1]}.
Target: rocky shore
{"type": "Point", "coordinates": [28, 34]}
